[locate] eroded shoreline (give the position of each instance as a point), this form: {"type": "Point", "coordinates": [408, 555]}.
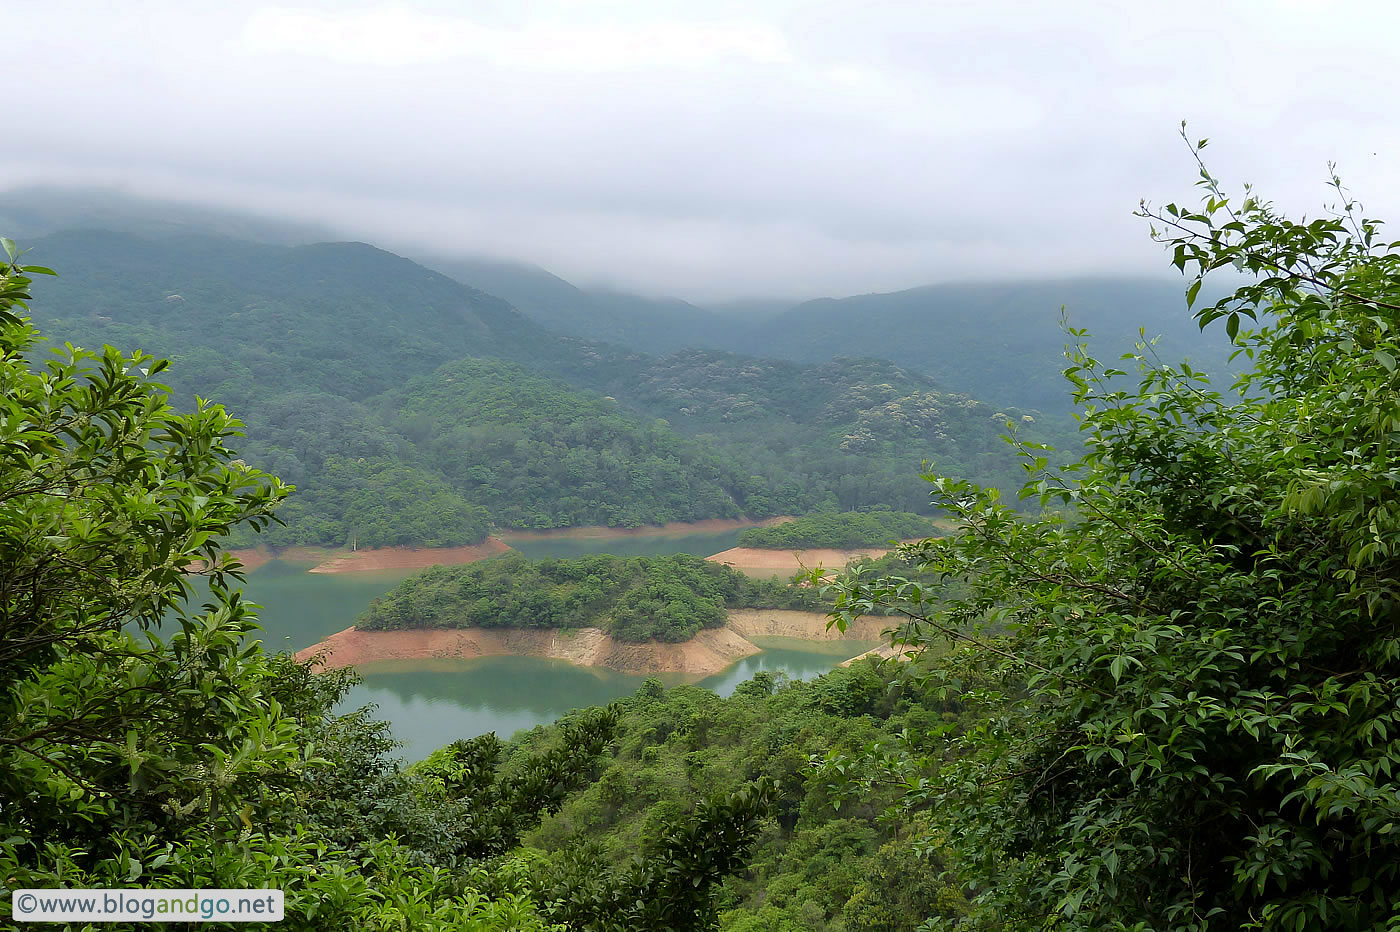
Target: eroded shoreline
{"type": "Point", "coordinates": [406, 558]}
{"type": "Point", "coordinates": [331, 560]}
{"type": "Point", "coordinates": [709, 652]}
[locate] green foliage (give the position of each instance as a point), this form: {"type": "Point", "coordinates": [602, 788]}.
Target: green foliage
{"type": "Point", "coordinates": [365, 380]}
{"type": "Point", "coordinates": [997, 341]}
{"type": "Point", "coordinates": [1192, 721]}
{"type": "Point", "coordinates": [820, 855]}
{"type": "Point", "coordinates": [109, 499]}
{"type": "Point", "coordinates": [145, 742]}
{"type": "Point", "coordinates": [668, 598]}
{"type": "Point", "coordinates": [840, 530]}
{"type": "Point", "coordinates": [538, 454]}
{"type": "Point", "coordinates": [672, 885]}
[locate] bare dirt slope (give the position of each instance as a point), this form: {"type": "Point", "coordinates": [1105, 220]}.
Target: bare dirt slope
{"type": "Point", "coordinates": [406, 558]}
{"type": "Point", "coordinates": [759, 562]}
{"type": "Point", "coordinates": [708, 652]}
{"type": "Point", "coordinates": [809, 626]}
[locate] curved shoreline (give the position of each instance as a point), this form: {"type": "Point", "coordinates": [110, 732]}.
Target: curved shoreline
{"type": "Point", "coordinates": [335, 560]}
{"type": "Point", "coordinates": [710, 651]}
{"type": "Point", "coordinates": [407, 558]}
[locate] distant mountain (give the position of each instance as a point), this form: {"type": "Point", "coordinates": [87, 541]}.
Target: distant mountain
{"type": "Point", "coordinates": [652, 325]}
{"type": "Point", "coordinates": [752, 309]}
{"type": "Point", "coordinates": [311, 345]}
{"type": "Point", "coordinates": [997, 341]}
{"type": "Point", "coordinates": [31, 212]}
{"type": "Point", "coordinates": [344, 318]}
{"type": "Point", "coordinates": [409, 408]}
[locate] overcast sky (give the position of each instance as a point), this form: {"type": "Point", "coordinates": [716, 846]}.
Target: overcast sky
{"type": "Point", "coordinates": [711, 149]}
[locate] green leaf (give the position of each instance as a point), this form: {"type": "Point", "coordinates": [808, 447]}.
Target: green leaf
{"type": "Point", "coordinates": [1191, 293]}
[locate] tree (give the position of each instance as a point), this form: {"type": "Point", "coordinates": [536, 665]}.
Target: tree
{"type": "Point", "coordinates": [147, 741]}
{"type": "Point", "coordinates": [143, 740]}
{"type": "Point", "coordinates": [1188, 664]}
{"type": "Point", "coordinates": [109, 500]}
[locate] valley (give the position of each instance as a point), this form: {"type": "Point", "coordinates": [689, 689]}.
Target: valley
{"type": "Point", "coordinates": [512, 532]}
{"type": "Point", "coordinates": [674, 467]}
{"type": "Point", "coordinates": [397, 439]}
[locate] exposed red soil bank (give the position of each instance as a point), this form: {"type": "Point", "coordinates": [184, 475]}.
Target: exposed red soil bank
{"type": "Point", "coordinates": [807, 626]}
{"type": "Point", "coordinates": [407, 558]}
{"type": "Point", "coordinates": [708, 652]}
{"type": "Point", "coordinates": [884, 652]}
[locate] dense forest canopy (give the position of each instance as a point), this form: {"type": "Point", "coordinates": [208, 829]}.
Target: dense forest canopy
{"type": "Point", "coordinates": [632, 598]}
{"type": "Point", "coordinates": [823, 863]}
{"type": "Point", "coordinates": [411, 410]}
{"type": "Point", "coordinates": [1191, 709]}
{"type": "Point", "coordinates": [1166, 698]}
{"type": "Point", "coordinates": [146, 739]}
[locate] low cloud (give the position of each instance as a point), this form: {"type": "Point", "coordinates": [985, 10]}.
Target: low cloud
{"type": "Point", "coordinates": [717, 150]}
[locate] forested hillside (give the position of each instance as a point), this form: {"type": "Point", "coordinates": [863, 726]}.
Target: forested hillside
{"type": "Point", "coordinates": [952, 331]}
{"type": "Point", "coordinates": [845, 434]}
{"type": "Point", "coordinates": [1165, 699]}
{"type": "Point", "coordinates": [650, 325]}
{"type": "Point", "coordinates": [409, 409]}
{"type": "Point", "coordinates": [536, 453]}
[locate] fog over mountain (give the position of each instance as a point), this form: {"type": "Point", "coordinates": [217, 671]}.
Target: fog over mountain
{"type": "Point", "coordinates": [709, 151]}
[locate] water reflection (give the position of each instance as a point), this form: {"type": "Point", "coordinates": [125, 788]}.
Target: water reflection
{"type": "Point", "coordinates": [432, 703]}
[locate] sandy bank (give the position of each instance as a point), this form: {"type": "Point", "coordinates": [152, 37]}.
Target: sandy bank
{"type": "Point", "coordinates": [760, 562]}
{"type": "Point", "coordinates": [708, 652]}
{"type": "Point", "coordinates": [884, 652]}
{"type": "Point", "coordinates": [407, 558]}
{"type": "Point", "coordinates": [674, 529]}
{"type": "Point", "coordinates": [808, 626]}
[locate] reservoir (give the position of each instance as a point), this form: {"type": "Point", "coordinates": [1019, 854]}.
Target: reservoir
{"type": "Point", "coordinates": [429, 703]}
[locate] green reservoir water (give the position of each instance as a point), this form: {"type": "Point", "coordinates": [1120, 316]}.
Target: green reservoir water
{"type": "Point", "coordinates": [301, 608]}
{"type": "Point", "coordinates": [430, 703]}
{"type": "Point", "coordinates": [435, 702]}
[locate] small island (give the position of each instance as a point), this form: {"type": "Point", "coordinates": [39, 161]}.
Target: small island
{"type": "Point", "coordinates": [669, 614]}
